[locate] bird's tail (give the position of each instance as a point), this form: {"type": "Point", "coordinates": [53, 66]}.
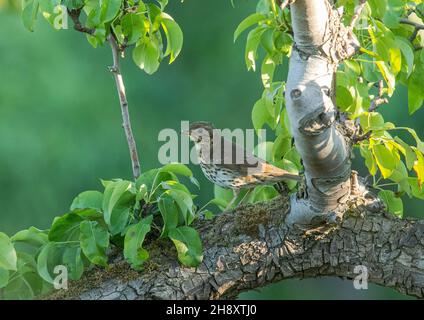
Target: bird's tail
{"type": "Point", "coordinates": [274, 174]}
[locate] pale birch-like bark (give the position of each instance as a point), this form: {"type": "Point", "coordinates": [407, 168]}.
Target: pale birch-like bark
{"type": "Point", "coordinates": [321, 41]}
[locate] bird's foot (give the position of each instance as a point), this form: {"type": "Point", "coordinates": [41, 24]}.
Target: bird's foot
{"type": "Point", "coordinates": [302, 190]}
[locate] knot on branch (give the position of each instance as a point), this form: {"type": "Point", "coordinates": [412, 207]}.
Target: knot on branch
{"type": "Point", "coordinates": [316, 122]}
{"type": "Point", "coordinates": [342, 42]}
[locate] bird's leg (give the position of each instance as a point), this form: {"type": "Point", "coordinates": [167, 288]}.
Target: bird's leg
{"type": "Point", "coordinates": [281, 188]}
{"type": "Point", "coordinates": [236, 193]}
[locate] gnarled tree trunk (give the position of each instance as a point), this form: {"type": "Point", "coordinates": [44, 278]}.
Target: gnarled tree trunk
{"type": "Point", "coordinates": [252, 247]}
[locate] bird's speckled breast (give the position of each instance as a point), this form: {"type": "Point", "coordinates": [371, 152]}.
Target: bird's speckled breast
{"type": "Point", "coordinates": [222, 177]}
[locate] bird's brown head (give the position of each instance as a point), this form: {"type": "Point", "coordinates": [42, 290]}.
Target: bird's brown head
{"type": "Point", "coordinates": [201, 131]}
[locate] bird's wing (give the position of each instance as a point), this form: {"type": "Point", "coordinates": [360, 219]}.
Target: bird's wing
{"type": "Point", "coordinates": [247, 164]}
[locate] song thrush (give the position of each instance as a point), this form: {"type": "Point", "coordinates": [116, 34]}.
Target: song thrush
{"type": "Point", "coordinates": [228, 165]}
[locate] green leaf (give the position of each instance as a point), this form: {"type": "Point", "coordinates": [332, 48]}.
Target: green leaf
{"type": "Point", "coordinates": [163, 3]}
{"type": "Point", "coordinates": [385, 159]}
{"type": "Point", "coordinates": [353, 65]}
{"type": "Point", "coordinates": [8, 257]}
{"type": "Point", "coordinates": [252, 43]}
{"type": "Point", "coordinates": [4, 277]}
{"type": "Point", "coordinates": [72, 259]}
{"type": "Point", "coordinates": [88, 199]}
{"type": "Point", "coordinates": [420, 144]}
{"type": "Point", "coordinates": [118, 200]}
{"type": "Point", "coordinates": [174, 36]}
{"type": "Point", "coordinates": [32, 236]}
{"type": "Point", "coordinates": [188, 245]}
{"type": "Point", "coordinates": [416, 89]}
{"type": "Point", "coordinates": [55, 254]}
{"type": "Point", "coordinates": [109, 9]}
{"type": "Point", "coordinates": [223, 195]}
{"type": "Point", "coordinates": [393, 203]}
{"type": "Point", "coordinates": [65, 228]}
{"type": "Point", "coordinates": [265, 149]}
{"type": "Point", "coordinates": [371, 121]}
{"type": "Point", "coordinates": [408, 153]}
{"type": "Point", "coordinates": [378, 7]}
{"type": "Point", "coordinates": [169, 212]}
{"type": "Point", "coordinates": [344, 98]}
{"type": "Point", "coordinates": [281, 146]}
{"type": "Point", "coordinates": [417, 191]}
{"type": "Point", "coordinates": [267, 41]}
{"type": "Point", "coordinates": [260, 115]}
{"type": "Point", "coordinates": [29, 13]}
{"type": "Point", "coordinates": [290, 167]}
{"type": "Point", "coordinates": [267, 71]}
{"type": "Point", "coordinates": [133, 27]}
{"type": "Point", "coordinates": [263, 193]}
{"type": "Point", "coordinates": [148, 179]}
{"type": "Point", "coordinates": [94, 241]}
{"type": "Point", "coordinates": [283, 42]}
{"type": "Point", "coordinates": [146, 56]}
{"type": "Point", "coordinates": [25, 283]}
{"type": "Point", "coordinates": [177, 168]}
{"type": "Point", "coordinates": [184, 202]}
{"type": "Point", "coordinates": [248, 22]}
{"type": "Point", "coordinates": [209, 215]}
{"type": "Point", "coordinates": [49, 10]}
{"type": "Point", "coordinates": [219, 202]}
{"type": "Point", "coordinates": [400, 176]}
{"type": "Point", "coordinates": [407, 53]}
{"type": "Point", "coordinates": [134, 238]}
{"type": "Point", "coordinates": [369, 159]}
{"type": "Point", "coordinates": [419, 166]}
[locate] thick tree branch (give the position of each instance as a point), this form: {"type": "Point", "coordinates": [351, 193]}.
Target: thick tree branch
{"type": "Point", "coordinates": [252, 247]}
{"type": "Point", "coordinates": [116, 70]}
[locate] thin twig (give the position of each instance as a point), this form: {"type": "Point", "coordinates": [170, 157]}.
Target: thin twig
{"type": "Point", "coordinates": [379, 100]}
{"type": "Point", "coordinates": [417, 26]}
{"type": "Point", "coordinates": [358, 11]}
{"type": "Point", "coordinates": [362, 137]}
{"type": "Point", "coordinates": [75, 14]}
{"type": "Point", "coordinates": [115, 69]}
{"type": "Point", "coordinates": [375, 103]}
{"type": "Point", "coordinates": [284, 4]}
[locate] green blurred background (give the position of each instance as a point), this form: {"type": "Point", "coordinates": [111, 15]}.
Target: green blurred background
{"type": "Point", "coordinates": [60, 122]}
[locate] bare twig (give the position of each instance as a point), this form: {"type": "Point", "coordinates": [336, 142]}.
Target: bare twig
{"type": "Point", "coordinates": [75, 14]}
{"type": "Point", "coordinates": [358, 11]}
{"type": "Point", "coordinates": [284, 3]}
{"type": "Point", "coordinates": [375, 103]}
{"type": "Point", "coordinates": [362, 137]}
{"type": "Point", "coordinates": [417, 26]}
{"type": "Point", "coordinates": [115, 69]}
{"type": "Point", "coordinates": [379, 100]}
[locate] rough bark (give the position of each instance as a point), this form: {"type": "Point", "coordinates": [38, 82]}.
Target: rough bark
{"type": "Point", "coordinates": [251, 247]}
{"type": "Point", "coordinates": [321, 41]}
